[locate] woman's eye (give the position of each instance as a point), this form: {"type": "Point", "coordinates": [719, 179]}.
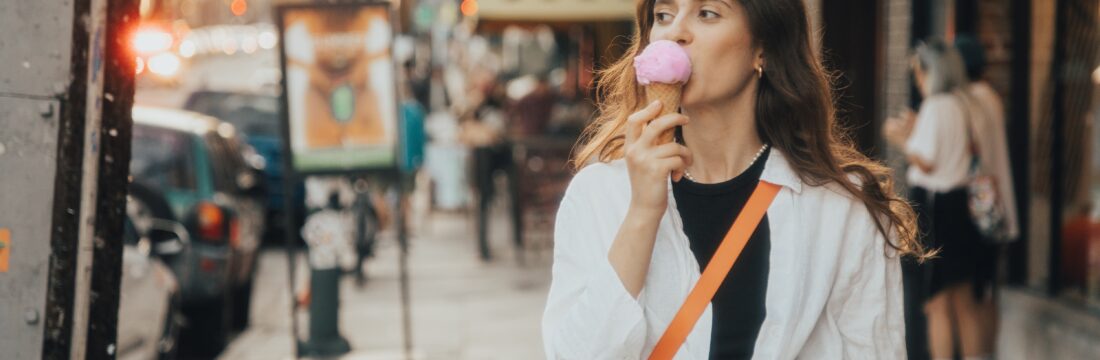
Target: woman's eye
{"type": "Point", "coordinates": [663, 16]}
{"type": "Point", "coordinates": [707, 14]}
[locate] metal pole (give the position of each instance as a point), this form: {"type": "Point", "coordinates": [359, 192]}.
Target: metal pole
{"type": "Point", "coordinates": [403, 264]}
{"type": "Point", "coordinates": [324, 315]}
{"type": "Point", "coordinates": [289, 211]}
{"type": "Point", "coordinates": [114, 171]}
{"type": "Point", "coordinates": [89, 191]}
{"type": "Point", "coordinates": [290, 179]}
{"type": "Point", "coordinates": [1054, 281]}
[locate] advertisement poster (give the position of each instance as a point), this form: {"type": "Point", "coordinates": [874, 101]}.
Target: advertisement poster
{"type": "Point", "coordinates": [339, 87]}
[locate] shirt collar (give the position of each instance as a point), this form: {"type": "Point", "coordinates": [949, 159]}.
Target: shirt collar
{"type": "Point", "coordinates": [777, 170]}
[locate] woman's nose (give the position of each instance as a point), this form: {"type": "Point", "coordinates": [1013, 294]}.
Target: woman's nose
{"type": "Point", "coordinates": [679, 32]}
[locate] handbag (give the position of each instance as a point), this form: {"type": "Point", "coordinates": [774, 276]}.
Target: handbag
{"type": "Point", "coordinates": [983, 201]}
{"type": "Point", "coordinates": [716, 271]}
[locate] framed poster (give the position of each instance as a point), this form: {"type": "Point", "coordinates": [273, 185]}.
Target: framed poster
{"type": "Point", "coordinates": [339, 87]}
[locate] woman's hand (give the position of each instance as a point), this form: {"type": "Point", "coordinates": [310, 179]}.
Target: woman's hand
{"type": "Point", "coordinates": [650, 163]}
{"type": "Point", "coordinates": [896, 130]}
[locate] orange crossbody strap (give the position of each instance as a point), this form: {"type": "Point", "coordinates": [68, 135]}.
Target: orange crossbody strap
{"type": "Point", "coordinates": [716, 271]}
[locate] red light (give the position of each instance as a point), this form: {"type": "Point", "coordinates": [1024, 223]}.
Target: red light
{"type": "Point", "coordinates": [469, 7]}
{"type": "Point", "coordinates": [211, 222]}
{"type": "Point", "coordinates": [238, 7]}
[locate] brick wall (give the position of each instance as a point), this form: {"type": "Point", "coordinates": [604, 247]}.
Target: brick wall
{"type": "Point", "coordinates": [895, 84]}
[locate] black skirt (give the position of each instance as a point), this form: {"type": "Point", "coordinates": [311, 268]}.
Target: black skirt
{"type": "Point", "coordinates": [945, 224]}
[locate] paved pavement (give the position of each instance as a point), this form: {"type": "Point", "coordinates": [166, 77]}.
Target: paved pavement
{"type": "Point", "coordinates": [462, 308]}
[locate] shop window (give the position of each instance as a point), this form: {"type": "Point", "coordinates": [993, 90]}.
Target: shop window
{"type": "Point", "coordinates": [1065, 157]}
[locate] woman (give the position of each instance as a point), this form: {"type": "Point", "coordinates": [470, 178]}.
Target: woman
{"type": "Point", "coordinates": [819, 277]}
{"type": "Point", "coordinates": [937, 143]}
{"type": "Point", "coordinates": [988, 120]}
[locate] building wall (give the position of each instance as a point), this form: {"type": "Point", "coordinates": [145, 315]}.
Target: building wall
{"type": "Point", "coordinates": [34, 85]}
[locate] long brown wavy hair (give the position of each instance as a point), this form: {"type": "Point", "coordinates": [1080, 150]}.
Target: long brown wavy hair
{"type": "Point", "coordinates": [794, 113]}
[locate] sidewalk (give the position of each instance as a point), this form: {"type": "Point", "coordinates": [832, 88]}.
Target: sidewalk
{"type": "Point", "coordinates": [461, 308]}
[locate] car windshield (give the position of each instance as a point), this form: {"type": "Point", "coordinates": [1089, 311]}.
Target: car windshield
{"type": "Point", "coordinates": [255, 115]}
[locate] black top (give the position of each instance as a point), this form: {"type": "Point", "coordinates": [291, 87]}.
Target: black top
{"type": "Point", "coordinates": [708, 211]}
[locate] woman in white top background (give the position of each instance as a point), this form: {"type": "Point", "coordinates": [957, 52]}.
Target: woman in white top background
{"type": "Point", "coordinates": [758, 106]}
{"type": "Point", "coordinates": [937, 142]}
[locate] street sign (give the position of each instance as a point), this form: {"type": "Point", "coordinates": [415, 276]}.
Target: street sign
{"type": "Point", "coordinates": [340, 118]}
{"type": "Point", "coordinates": [339, 87]}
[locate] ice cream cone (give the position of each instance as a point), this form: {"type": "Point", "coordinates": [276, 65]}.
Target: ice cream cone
{"type": "Point", "coordinates": [663, 68]}
{"type": "Point", "coordinates": [669, 96]}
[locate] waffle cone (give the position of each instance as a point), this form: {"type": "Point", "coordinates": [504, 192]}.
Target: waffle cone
{"type": "Point", "coordinates": [669, 96]}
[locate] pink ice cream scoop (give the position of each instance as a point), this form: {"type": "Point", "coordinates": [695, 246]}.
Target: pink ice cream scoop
{"type": "Point", "coordinates": [663, 61]}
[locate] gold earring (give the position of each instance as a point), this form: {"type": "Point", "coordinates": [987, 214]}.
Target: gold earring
{"type": "Point", "coordinates": [759, 71]}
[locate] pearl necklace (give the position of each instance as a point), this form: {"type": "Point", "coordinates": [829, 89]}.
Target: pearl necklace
{"type": "Point", "coordinates": [754, 158]}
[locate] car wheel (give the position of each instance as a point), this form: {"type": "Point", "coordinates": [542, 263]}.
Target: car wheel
{"type": "Point", "coordinates": [242, 305]}
{"type": "Point", "coordinates": [207, 330]}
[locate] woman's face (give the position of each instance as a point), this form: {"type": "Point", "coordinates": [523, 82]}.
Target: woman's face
{"type": "Point", "coordinates": [715, 34]}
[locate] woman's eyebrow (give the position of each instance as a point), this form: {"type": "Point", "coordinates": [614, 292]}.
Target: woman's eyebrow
{"type": "Point", "coordinates": [723, 2]}
{"type": "Point", "coordinates": [673, 2]}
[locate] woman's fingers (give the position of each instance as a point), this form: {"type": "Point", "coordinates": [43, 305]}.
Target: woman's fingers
{"type": "Point", "coordinates": [673, 149]}
{"type": "Point", "coordinates": [642, 130]}
{"type": "Point", "coordinates": [670, 165]}
{"type": "Point", "coordinates": [654, 129]}
{"type": "Point", "coordinates": [637, 121]}
{"type": "Point", "coordinates": [677, 175]}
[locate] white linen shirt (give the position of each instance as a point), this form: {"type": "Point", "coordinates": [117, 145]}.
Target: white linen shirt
{"type": "Point", "coordinates": [940, 137]}
{"type": "Point", "coordinates": [834, 287]}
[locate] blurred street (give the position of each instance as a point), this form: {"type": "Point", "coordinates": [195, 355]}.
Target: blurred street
{"type": "Point", "coordinates": [462, 308]}
{"type": "Point", "coordinates": [156, 155]}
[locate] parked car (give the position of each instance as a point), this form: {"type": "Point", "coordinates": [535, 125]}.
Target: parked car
{"type": "Point", "coordinates": [199, 165]}
{"type": "Point", "coordinates": [149, 316]}
{"type": "Point", "coordinates": [256, 114]}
